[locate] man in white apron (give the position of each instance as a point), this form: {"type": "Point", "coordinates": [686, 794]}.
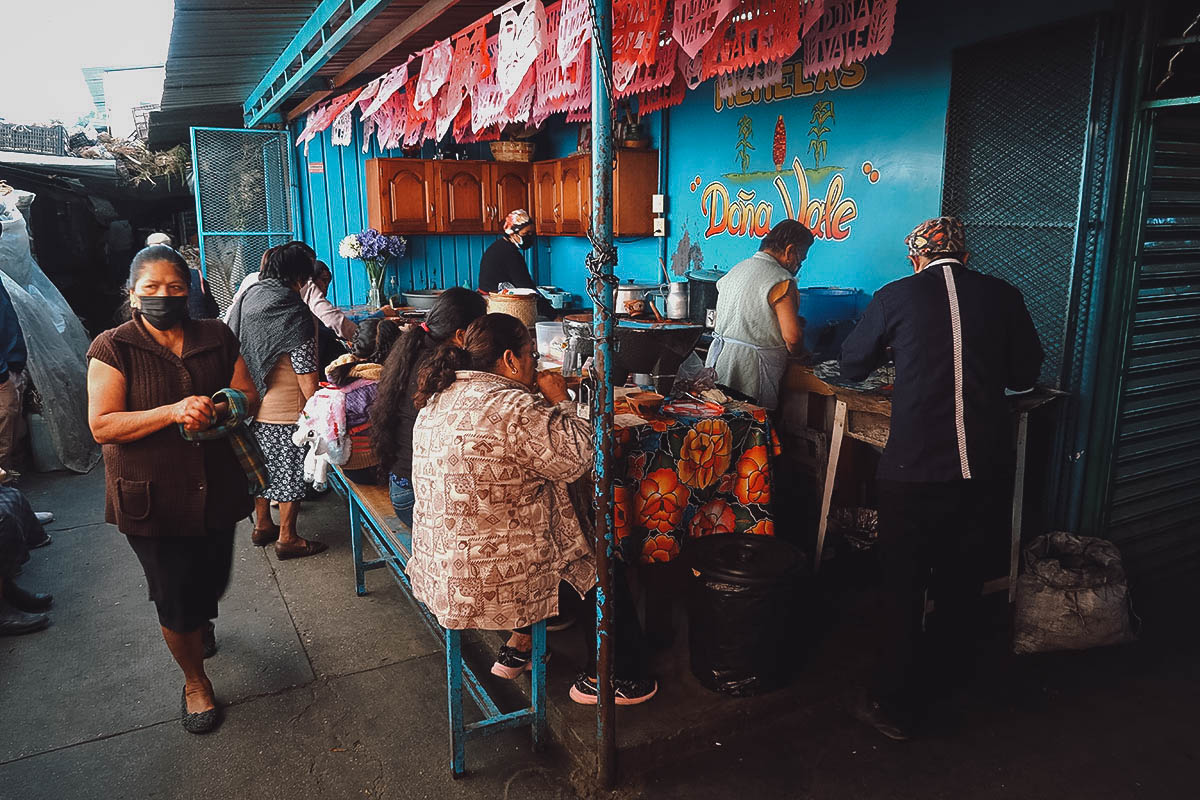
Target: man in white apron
{"type": "Point", "coordinates": [757, 323]}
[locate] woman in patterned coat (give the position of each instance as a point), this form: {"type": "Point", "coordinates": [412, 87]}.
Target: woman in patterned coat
{"type": "Point", "coordinates": [493, 526]}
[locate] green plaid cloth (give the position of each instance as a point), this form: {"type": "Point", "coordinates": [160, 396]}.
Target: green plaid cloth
{"type": "Point", "coordinates": [244, 445]}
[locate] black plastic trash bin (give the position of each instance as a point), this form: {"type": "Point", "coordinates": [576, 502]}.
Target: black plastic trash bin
{"type": "Point", "coordinates": [742, 607]}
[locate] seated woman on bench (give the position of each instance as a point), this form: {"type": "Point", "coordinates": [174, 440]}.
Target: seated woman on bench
{"type": "Point", "coordinates": [393, 413]}
{"type": "Point", "coordinates": [493, 526]}
{"type": "Point", "coordinates": [356, 374]}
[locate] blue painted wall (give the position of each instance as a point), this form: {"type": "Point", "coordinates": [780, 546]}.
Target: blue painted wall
{"type": "Point", "coordinates": [894, 119]}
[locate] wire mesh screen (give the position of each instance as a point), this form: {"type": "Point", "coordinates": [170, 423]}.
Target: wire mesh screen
{"type": "Point", "coordinates": [243, 202]}
{"type": "Point", "coordinates": [1016, 133]}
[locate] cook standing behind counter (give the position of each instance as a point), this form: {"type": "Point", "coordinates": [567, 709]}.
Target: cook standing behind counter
{"type": "Point", "coordinates": [758, 323]}
{"type": "Point", "coordinates": [504, 260]}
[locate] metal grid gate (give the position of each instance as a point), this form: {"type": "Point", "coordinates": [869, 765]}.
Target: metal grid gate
{"type": "Point", "coordinates": [243, 186]}
{"type": "Point", "coordinates": [1017, 130]}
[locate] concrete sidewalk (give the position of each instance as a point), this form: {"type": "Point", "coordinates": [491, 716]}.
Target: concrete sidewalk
{"type": "Point", "coordinates": [330, 695]}
{"type": "Point", "coordinates": [327, 695]}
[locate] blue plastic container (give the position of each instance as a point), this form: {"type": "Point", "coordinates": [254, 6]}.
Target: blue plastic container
{"type": "Point", "coordinates": [830, 314]}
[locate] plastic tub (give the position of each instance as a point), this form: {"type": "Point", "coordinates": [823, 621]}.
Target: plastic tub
{"type": "Point", "coordinates": [825, 310]}
{"type": "Point", "coordinates": [551, 341]}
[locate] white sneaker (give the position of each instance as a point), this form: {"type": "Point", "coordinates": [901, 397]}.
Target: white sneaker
{"type": "Point", "coordinates": [44, 517]}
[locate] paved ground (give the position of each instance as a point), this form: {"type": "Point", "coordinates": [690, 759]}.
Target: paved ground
{"type": "Point", "coordinates": [335, 696]}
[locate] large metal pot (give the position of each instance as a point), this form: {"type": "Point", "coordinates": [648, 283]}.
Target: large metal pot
{"type": "Point", "coordinates": [635, 299]}
{"type": "Point", "coordinates": [422, 299]}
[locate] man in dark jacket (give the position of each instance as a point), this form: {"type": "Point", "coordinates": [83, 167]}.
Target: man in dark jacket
{"type": "Point", "coordinates": [504, 261]}
{"type": "Point", "coordinates": [959, 338]}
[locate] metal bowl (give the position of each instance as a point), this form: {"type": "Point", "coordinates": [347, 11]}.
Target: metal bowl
{"type": "Point", "coordinates": [422, 299]}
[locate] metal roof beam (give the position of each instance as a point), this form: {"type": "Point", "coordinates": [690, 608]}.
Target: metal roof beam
{"type": "Point", "coordinates": [411, 26]}
{"type": "Point", "coordinates": [310, 49]}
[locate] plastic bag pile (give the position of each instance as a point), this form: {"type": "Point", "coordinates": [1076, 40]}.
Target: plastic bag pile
{"type": "Point", "coordinates": [55, 338]}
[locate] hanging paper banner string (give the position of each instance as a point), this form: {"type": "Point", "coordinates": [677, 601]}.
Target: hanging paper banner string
{"type": "Point", "coordinates": [343, 128]}
{"type": "Point", "coordinates": [665, 97]}
{"type": "Point", "coordinates": [368, 95]}
{"type": "Point", "coordinates": [579, 82]}
{"type": "Point", "coordinates": [579, 116]}
{"type": "Point", "coordinates": [691, 69]}
{"type": "Point", "coordinates": [520, 42]}
{"type": "Point", "coordinates": [810, 12]}
{"type": "Point", "coordinates": [435, 69]}
{"type": "Point", "coordinates": [487, 98]}
{"type": "Point", "coordinates": [391, 120]}
{"type": "Point", "coordinates": [696, 21]}
{"type": "Point", "coordinates": [637, 28]}
{"type": "Point", "coordinates": [575, 30]}
{"type": "Point", "coordinates": [758, 32]}
{"type": "Point", "coordinates": [520, 105]}
{"type": "Point", "coordinates": [470, 65]}
{"type": "Point", "coordinates": [550, 77]}
{"type": "Point", "coordinates": [847, 32]}
{"type": "Point", "coordinates": [389, 84]}
{"type": "Point", "coordinates": [750, 79]}
{"type": "Point", "coordinates": [648, 77]}
{"type": "Point", "coordinates": [314, 123]}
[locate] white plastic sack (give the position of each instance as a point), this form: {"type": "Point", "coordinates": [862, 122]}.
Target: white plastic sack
{"type": "Point", "coordinates": [56, 341]}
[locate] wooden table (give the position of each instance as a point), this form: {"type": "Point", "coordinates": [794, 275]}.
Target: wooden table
{"type": "Point", "coordinates": [866, 416]}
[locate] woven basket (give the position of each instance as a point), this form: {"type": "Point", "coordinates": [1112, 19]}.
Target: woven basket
{"type": "Point", "coordinates": [512, 151]}
{"type": "Point", "coordinates": [521, 306]}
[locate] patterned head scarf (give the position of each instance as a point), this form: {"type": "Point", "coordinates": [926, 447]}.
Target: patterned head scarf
{"type": "Point", "coordinates": [936, 236]}
{"type": "Point", "coordinates": [516, 221]}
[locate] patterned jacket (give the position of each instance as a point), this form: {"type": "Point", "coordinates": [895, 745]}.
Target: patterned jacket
{"type": "Point", "coordinates": [493, 527]}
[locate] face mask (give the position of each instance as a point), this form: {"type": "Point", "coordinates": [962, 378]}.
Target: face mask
{"type": "Point", "coordinates": [163, 312]}
{"type": "Point", "coordinates": [527, 240]}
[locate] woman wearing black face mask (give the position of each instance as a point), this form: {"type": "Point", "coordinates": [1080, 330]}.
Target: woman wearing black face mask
{"type": "Point", "coordinates": [504, 260]}
{"type": "Point", "coordinates": [176, 500]}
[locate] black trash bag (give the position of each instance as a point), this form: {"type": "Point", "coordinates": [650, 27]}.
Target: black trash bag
{"type": "Point", "coordinates": [742, 609]}
{"type": "Point", "coordinates": [1072, 596]}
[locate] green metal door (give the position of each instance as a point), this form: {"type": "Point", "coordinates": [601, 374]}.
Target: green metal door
{"type": "Point", "coordinates": [1149, 498]}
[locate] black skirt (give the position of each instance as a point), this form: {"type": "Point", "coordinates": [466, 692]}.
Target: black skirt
{"type": "Point", "coordinates": [186, 575]}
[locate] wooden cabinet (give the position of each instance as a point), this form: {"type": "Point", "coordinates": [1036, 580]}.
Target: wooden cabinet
{"type": "Point", "coordinates": [463, 196]}
{"type": "Point", "coordinates": [406, 195]}
{"type": "Point", "coordinates": [511, 187]}
{"type": "Point", "coordinates": [563, 194]}
{"type": "Point", "coordinates": [400, 195]}
{"type": "Point", "coordinates": [575, 200]}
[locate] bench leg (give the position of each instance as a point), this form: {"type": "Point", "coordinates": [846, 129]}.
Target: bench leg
{"type": "Point", "coordinates": [454, 687]}
{"type": "Point", "coordinates": [539, 685]}
{"type": "Point", "coordinates": [356, 547]}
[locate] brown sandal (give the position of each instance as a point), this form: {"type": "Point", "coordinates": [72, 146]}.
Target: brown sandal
{"type": "Point", "coordinates": [307, 548]}
{"type": "Point", "coordinates": [261, 537]}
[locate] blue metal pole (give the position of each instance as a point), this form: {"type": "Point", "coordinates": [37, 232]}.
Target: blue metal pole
{"type": "Point", "coordinates": [602, 403]}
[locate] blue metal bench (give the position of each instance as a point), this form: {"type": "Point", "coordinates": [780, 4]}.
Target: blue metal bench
{"type": "Point", "coordinates": [370, 509]}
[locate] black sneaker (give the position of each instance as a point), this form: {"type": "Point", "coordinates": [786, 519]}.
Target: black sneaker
{"type": "Point", "coordinates": [511, 662]}
{"type": "Point", "coordinates": [629, 693]}
{"type": "Point", "coordinates": [871, 712]}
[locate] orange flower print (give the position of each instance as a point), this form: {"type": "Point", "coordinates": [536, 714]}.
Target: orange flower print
{"type": "Point", "coordinates": [764, 527]}
{"type": "Point", "coordinates": [753, 484]}
{"type": "Point", "coordinates": [705, 453]}
{"type": "Point", "coordinates": [726, 484]}
{"type": "Point", "coordinates": [660, 500]}
{"type": "Point", "coordinates": [713, 517]}
{"type": "Point", "coordinates": [621, 503]}
{"type": "Point", "coordinates": [759, 414]}
{"type": "Point", "coordinates": [637, 466]}
{"type": "Point", "coordinates": [659, 548]}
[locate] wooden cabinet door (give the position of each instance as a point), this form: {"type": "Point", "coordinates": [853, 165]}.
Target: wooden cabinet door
{"type": "Point", "coordinates": [635, 182]}
{"type": "Point", "coordinates": [512, 188]}
{"type": "Point", "coordinates": [575, 190]}
{"type": "Point", "coordinates": [461, 193]}
{"type": "Point", "coordinates": [399, 197]}
{"type": "Point", "coordinates": [546, 196]}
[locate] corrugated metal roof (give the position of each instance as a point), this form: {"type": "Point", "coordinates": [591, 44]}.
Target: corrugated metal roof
{"type": "Point", "coordinates": [221, 48]}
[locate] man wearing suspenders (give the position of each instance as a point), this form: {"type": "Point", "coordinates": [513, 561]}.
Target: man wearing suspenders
{"type": "Point", "coordinates": [958, 338]}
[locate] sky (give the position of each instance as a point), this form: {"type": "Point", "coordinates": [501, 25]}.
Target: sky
{"type": "Point", "coordinates": [44, 43]}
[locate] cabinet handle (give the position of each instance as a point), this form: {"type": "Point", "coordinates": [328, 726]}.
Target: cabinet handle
{"type": "Point", "coordinates": [431, 210]}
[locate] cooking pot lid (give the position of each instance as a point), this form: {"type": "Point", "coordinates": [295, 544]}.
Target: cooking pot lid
{"type": "Point", "coordinates": [638, 287]}
{"type": "Point", "coordinates": [709, 275]}
{"type": "Point", "coordinates": [741, 558]}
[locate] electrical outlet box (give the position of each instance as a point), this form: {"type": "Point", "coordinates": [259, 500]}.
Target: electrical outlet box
{"type": "Point", "coordinates": [660, 226]}
{"type": "Point", "coordinates": [658, 203]}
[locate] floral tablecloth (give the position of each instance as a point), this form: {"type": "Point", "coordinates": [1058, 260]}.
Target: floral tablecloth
{"type": "Point", "coordinates": [678, 477]}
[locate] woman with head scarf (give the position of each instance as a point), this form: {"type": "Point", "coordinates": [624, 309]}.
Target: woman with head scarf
{"type": "Point", "coordinates": [277, 337]}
